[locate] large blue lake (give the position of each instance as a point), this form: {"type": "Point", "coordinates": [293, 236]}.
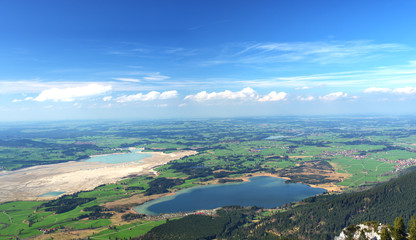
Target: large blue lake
{"type": "Point", "coordinates": [268, 192]}
{"type": "Point", "coordinates": [134, 156]}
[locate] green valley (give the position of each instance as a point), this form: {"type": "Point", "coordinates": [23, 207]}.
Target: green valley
{"type": "Point", "coordinates": [342, 155]}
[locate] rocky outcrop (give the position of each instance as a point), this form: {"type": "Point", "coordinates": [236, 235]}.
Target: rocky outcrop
{"type": "Point", "coordinates": [369, 230]}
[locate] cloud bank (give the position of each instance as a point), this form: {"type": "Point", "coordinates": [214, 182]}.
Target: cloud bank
{"type": "Point", "coordinates": [404, 90]}
{"type": "Point", "coordinates": [306, 99]}
{"type": "Point", "coordinates": [247, 94]}
{"type": "Point", "coordinates": [151, 96]}
{"type": "Point", "coordinates": [273, 97]}
{"type": "Point", "coordinates": [72, 93]}
{"type": "Point", "coordinates": [333, 96]}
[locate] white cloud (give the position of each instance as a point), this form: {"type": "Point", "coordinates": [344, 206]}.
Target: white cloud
{"type": "Point", "coordinates": [108, 98]}
{"type": "Point", "coordinates": [127, 79]}
{"type": "Point", "coordinates": [333, 96]}
{"type": "Point", "coordinates": [168, 94]}
{"type": "Point", "coordinates": [405, 90]}
{"type": "Point", "coordinates": [20, 100]}
{"type": "Point", "coordinates": [273, 97]}
{"type": "Point", "coordinates": [247, 94]}
{"type": "Point", "coordinates": [156, 77]}
{"type": "Point", "coordinates": [377, 90]}
{"type": "Point", "coordinates": [148, 76]}
{"type": "Point", "coordinates": [153, 95]}
{"type": "Point", "coordinates": [303, 88]}
{"type": "Point", "coordinates": [73, 93]}
{"type": "Point", "coordinates": [306, 99]}
{"type": "Point", "coordinates": [77, 105]}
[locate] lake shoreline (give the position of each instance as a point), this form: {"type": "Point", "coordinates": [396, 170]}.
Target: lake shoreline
{"type": "Point", "coordinates": [75, 176]}
{"type": "Point", "coordinates": [264, 191]}
{"type": "Point", "coordinates": [140, 199]}
{"type": "Point", "coordinates": [133, 155]}
{"type": "Point", "coordinates": [330, 187]}
{"type": "Point", "coordinates": [131, 149]}
{"type": "Point", "coordinates": [36, 186]}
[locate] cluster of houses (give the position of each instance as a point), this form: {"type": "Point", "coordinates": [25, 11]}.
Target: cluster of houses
{"type": "Point", "coordinates": [208, 212]}
{"type": "Point", "coordinates": [256, 150]}
{"type": "Point", "coordinates": [48, 230]}
{"type": "Point", "coordinates": [345, 153]}
{"type": "Point", "coordinates": [52, 230]}
{"type": "Point", "coordinates": [400, 164]}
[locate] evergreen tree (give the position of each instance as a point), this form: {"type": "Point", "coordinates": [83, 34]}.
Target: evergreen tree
{"type": "Point", "coordinates": [362, 235]}
{"type": "Point", "coordinates": [385, 234]}
{"type": "Point", "coordinates": [399, 230]}
{"type": "Point", "coordinates": [412, 228]}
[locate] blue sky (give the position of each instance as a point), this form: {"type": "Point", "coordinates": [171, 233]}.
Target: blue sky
{"type": "Point", "coordinates": [185, 59]}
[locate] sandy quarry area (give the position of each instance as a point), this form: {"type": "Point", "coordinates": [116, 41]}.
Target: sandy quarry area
{"type": "Point", "coordinates": [70, 177]}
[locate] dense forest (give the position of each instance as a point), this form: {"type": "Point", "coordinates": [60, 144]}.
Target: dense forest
{"type": "Point", "coordinates": [65, 203]}
{"type": "Point", "coordinates": [201, 226]}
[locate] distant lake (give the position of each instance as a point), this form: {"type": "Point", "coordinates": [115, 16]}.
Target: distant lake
{"type": "Point", "coordinates": [275, 137]}
{"type": "Point", "coordinates": [51, 194]}
{"type": "Point", "coordinates": [134, 156]}
{"type": "Point", "coordinates": [268, 192]}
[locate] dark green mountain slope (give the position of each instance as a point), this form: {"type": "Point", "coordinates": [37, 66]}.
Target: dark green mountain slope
{"type": "Point", "coordinates": [324, 217]}
{"type": "Point", "coordinates": [221, 226]}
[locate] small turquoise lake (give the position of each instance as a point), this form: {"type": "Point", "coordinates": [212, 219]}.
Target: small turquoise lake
{"type": "Point", "coordinates": [275, 137]}
{"type": "Point", "coordinates": [51, 194]}
{"type": "Point", "coordinates": [134, 156]}
{"type": "Point", "coordinates": [268, 192]}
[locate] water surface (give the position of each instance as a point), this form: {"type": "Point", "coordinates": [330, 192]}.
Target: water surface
{"type": "Point", "coordinates": [134, 156]}
{"type": "Point", "coordinates": [275, 137]}
{"type": "Point", "coordinates": [268, 192]}
{"type": "Point", "coordinates": [51, 194]}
